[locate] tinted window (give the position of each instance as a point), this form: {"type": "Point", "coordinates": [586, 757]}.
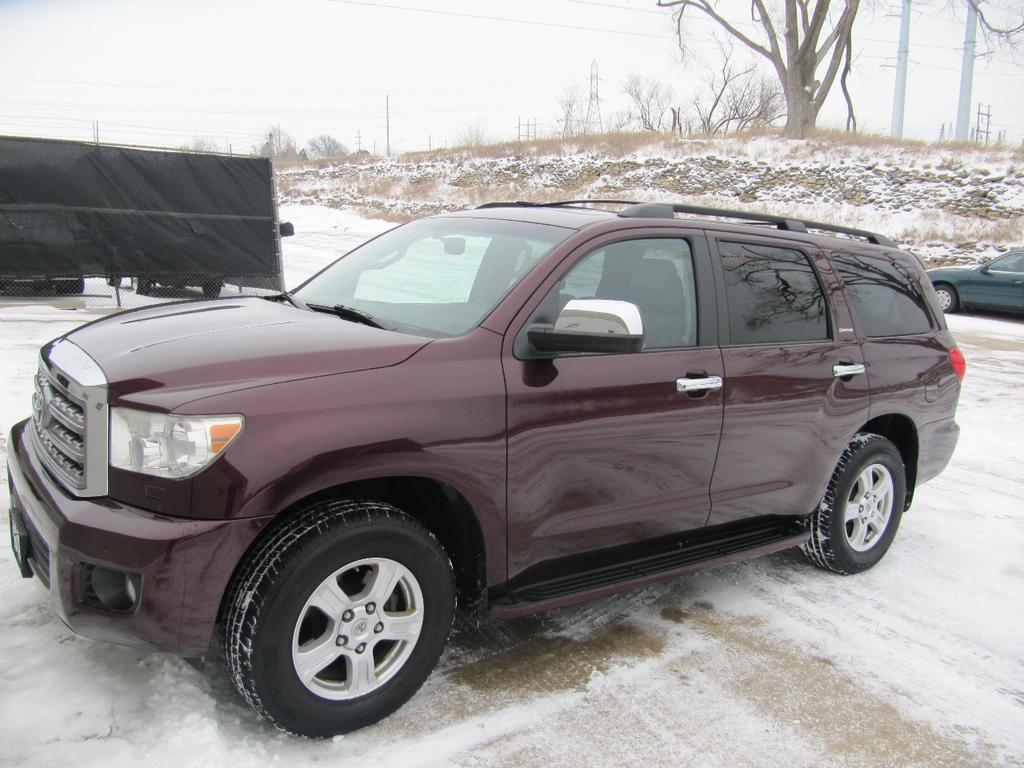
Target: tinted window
{"type": "Point", "coordinates": [655, 274]}
{"type": "Point", "coordinates": [773, 295]}
{"type": "Point", "coordinates": [884, 294]}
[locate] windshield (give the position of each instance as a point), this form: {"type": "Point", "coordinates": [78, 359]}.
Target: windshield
{"type": "Point", "coordinates": [437, 277]}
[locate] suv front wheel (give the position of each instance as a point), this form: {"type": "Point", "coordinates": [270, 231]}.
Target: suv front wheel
{"type": "Point", "coordinates": [858, 517]}
{"type": "Point", "coordinates": [338, 618]}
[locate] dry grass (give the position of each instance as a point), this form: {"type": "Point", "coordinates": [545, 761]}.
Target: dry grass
{"type": "Point", "coordinates": [610, 144]}
{"type": "Point", "coordinates": [621, 144]}
{"type": "Point", "coordinates": [960, 229]}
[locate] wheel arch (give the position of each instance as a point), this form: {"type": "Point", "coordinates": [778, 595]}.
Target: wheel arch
{"type": "Point", "coordinates": [438, 506]}
{"type": "Point", "coordinates": [901, 431]}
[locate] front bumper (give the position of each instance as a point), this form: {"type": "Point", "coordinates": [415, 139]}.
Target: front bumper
{"type": "Point", "coordinates": [184, 565]}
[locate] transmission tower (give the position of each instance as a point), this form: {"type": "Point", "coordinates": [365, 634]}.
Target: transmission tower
{"type": "Point", "coordinates": [593, 122]}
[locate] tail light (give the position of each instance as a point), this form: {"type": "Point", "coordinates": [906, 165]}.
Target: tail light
{"type": "Point", "coordinates": [956, 359]}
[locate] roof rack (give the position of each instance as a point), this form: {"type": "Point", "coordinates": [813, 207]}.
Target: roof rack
{"type": "Point", "coordinates": [559, 204]}
{"type": "Point", "coordinates": [669, 210]}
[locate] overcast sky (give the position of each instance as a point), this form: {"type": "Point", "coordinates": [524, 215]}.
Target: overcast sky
{"type": "Point", "coordinates": [158, 73]}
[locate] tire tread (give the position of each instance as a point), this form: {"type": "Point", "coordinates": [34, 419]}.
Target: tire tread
{"type": "Point", "coordinates": [286, 541]}
{"type": "Point", "coordinates": [818, 548]}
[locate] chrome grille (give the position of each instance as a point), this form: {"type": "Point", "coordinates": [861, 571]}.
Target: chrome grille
{"type": "Point", "coordinates": [69, 420]}
{"type": "Point", "coordinates": [59, 423]}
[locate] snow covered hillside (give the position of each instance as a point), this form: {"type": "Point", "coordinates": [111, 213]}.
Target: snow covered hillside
{"type": "Point", "coordinates": [946, 203]}
{"type": "Point", "coordinates": [771, 662]}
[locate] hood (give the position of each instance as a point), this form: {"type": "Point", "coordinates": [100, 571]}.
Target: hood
{"type": "Point", "coordinates": [174, 353]}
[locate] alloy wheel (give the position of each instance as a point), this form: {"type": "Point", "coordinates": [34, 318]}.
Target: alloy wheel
{"type": "Point", "coordinates": [869, 507]}
{"type": "Point", "coordinates": [357, 628]}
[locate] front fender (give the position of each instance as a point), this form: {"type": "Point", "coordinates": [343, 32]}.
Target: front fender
{"type": "Point", "coordinates": [439, 415]}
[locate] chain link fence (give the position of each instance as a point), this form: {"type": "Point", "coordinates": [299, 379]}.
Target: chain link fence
{"type": "Point", "coordinates": [127, 292]}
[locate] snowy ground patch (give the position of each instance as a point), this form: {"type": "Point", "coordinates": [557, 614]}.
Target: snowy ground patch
{"type": "Point", "coordinates": [770, 662]}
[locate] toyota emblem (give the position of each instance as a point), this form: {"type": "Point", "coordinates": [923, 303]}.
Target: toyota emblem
{"type": "Point", "coordinates": [37, 408]}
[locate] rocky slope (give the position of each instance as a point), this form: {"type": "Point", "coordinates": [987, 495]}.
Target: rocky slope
{"type": "Point", "coordinates": [947, 203]}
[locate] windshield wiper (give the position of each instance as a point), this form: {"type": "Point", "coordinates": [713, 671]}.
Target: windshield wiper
{"type": "Point", "coordinates": [348, 313]}
{"type": "Point", "coordinates": [292, 299]}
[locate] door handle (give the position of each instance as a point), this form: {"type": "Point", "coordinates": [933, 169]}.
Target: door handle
{"type": "Point", "coordinates": [842, 370]}
{"type": "Point", "coordinates": [706, 383]}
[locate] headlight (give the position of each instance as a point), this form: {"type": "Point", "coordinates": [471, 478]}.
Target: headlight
{"type": "Point", "coordinates": [168, 444]}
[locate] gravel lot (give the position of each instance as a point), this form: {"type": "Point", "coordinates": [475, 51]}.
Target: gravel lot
{"type": "Point", "coordinates": [772, 662]}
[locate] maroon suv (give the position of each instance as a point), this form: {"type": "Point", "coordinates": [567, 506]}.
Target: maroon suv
{"type": "Point", "coordinates": [515, 408]}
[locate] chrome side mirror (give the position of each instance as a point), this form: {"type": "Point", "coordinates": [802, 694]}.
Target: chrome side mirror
{"type": "Point", "coordinates": [601, 316]}
{"type": "Point", "coordinates": [591, 325]}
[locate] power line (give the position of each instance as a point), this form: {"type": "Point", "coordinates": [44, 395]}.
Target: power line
{"type": "Point", "coordinates": [618, 7]}
{"type": "Point", "coordinates": [263, 110]}
{"type": "Point", "coordinates": [505, 19]}
{"type": "Point", "coordinates": [234, 89]}
{"type": "Point", "coordinates": [77, 121]}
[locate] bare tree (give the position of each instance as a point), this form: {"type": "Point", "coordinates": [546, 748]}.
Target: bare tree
{"type": "Point", "coordinates": [619, 121]}
{"type": "Point", "coordinates": [325, 145]}
{"type": "Point", "coordinates": [651, 98]}
{"type": "Point", "coordinates": [279, 145]}
{"type": "Point", "coordinates": [201, 144]}
{"type": "Point", "coordinates": [472, 134]}
{"type": "Point", "coordinates": [735, 97]}
{"type": "Point", "coordinates": [998, 31]}
{"type": "Point", "coordinates": [796, 37]}
{"type": "Point", "coordinates": [571, 106]}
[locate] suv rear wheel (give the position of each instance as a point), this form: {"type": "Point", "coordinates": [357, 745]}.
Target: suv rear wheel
{"type": "Point", "coordinates": [339, 617]}
{"type": "Point", "coordinates": [858, 517]}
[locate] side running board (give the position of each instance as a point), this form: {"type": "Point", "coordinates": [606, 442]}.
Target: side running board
{"type": "Point", "coordinates": [579, 577]}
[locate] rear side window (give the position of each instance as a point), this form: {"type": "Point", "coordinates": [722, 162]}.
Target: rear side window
{"type": "Point", "coordinates": [884, 294]}
{"type": "Point", "coordinates": [773, 295]}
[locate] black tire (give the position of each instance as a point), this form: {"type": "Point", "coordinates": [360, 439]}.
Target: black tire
{"type": "Point", "coordinates": [143, 286]}
{"type": "Point", "coordinates": [270, 591]}
{"type": "Point", "coordinates": [943, 290]}
{"type": "Point", "coordinates": [829, 546]}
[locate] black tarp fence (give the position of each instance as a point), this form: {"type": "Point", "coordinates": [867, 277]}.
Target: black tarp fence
{"type": "Point", "coordinates": [72, 209]}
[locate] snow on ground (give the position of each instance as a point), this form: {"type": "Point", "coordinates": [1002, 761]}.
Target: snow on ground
{"type": "Point", "coordinates": [770, 662]}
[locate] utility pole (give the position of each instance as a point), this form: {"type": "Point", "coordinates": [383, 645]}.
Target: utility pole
{"type": "Point", "coordinates": [359, 141]}
{"type": "Point", "coordinates": [96, 131]}
{"type": "Point", "coordinates": [988, 124]}
{"type": "Point", "coordinates": [387, 122]}
{"type": "Point", "coordinates": [527, 128]}
{"type": "Point", "coordinates": [963, 110]}
{"type": "Point", "coordinates": [899, 96]}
